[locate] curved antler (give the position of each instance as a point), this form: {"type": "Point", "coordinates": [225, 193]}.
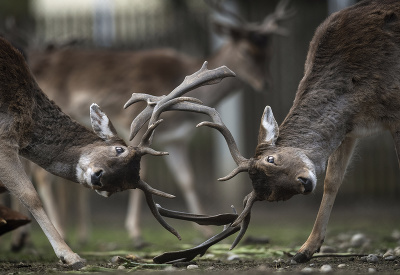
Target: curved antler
{"type": "Point", "coordinates": [244, 218]}
{"type": "Point", "coordinates": [199, 78]}
{"type": "Point", "coordinates": [149, 192]}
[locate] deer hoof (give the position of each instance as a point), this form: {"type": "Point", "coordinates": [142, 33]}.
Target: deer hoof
{"type": "Point", "coordinates": [300, 257]}
{"type": "Point", "coordinates": [73, 261]}
{"type": "Point", "coordinates": [78, 265]}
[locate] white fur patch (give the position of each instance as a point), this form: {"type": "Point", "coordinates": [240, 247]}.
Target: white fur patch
{"type": "Point", "coordinates": [84, 172]}
{"type": "Point", "coordinates": [101, 120]}
{"type": "Point", "coordinates": [311, 170]}
{"type": "Point", "coordinates": [103, 193]}
{"type": "Point", "coordinates": [269, 129]}
{"type": "Point", "coordinates": [269, 125]}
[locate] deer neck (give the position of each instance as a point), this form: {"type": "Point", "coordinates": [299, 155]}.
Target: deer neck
{"type": "Point", "coordinates": [56, 141]}
{"type": "Point", "coordinates": [318, 122]}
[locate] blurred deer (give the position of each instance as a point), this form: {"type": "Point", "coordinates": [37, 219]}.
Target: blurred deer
{"type": "Point", "coordinates": [73, 77]}
{"type": "Point", "coordinates": [32, 126]}
{"type": "Point", "coordinates": [350, 89]}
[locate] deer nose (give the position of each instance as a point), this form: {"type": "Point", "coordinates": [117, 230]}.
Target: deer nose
{"type": "Point", "coordinates": [95, 178]}
{"type": "Point", "coordinates": [307, 183]}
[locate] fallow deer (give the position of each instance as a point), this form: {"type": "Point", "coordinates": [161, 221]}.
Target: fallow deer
{"type": "Point", "coordinates": [350, 89]}
{"type": "Point", "coordinates": [34, 127]}
{"type": "Point", "coordinates": [72, 77]}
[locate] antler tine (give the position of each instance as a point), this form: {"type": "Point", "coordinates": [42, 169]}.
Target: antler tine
{"type": "Point", "coordinates": [142, 118]}
{"type": "Point", "coordinates": [248, 202]}
{"type": "Point", "coordinates": [148, 192]}
{"type": "Point", "coordinates": [137, 97]}
{"type": "Point", "coordinates": [218, 7]}
{"type": "Point", "coordinates": [270, 23]}
{"type": "Point", "coordinates": [220, 219]}
{"type": "Point", "coordinates": [199, 78]}
{"type": "Point", "coordinates": [241, 168]}
{"type": "Point", "coordinates": [244, 217]}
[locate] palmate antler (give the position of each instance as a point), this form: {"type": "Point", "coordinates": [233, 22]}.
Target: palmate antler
{"type": "Point", "coordinates": [157, 105]}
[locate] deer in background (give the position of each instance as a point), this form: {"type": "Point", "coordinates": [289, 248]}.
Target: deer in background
{"type": "Point", "coordinates": [73, 77]}
{"type": "Point", "coordinates": [32, 126]}
{"type": "Point", "coordinates": [350, 89]}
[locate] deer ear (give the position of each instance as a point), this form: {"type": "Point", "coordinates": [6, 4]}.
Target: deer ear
{"type": "Point", "coordinates": [269, 129]}
{"type": "Point", "coordinates": [101, 124]}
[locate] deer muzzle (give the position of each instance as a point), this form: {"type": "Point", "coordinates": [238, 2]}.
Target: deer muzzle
{"type": "Point", "coordinates": [95, 178]}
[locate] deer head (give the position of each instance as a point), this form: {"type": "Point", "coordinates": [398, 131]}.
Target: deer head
{"type": "Point", "coordinates": [101, 167]}
{"type": "Point", "coordinates": [250, 42]}
{"type": "Point", "coordinates": [279, 172]}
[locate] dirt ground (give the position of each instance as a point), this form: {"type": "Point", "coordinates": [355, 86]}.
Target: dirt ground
{"type": "Point", "coordinates": [353, 265]}
{"type": "Point", "coordinates": [367, 229]}
{"type": "Point", "coordinates": [339, 265]}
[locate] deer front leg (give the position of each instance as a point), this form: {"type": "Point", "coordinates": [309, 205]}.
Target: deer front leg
{"type": "Point", "coordinates": [20, 236]}
{"type": "Point", "coordinates": [17, 182]}
{"type": "Point", "coordinates": [44, 182]}
{"type": "Point", "coordinates": [336, 169]}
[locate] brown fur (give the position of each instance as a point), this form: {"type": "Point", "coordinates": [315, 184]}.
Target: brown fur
{"type": "Point", "coordinates": [350, 89]}
{"type": "Point", "coordinates": [31, 125]}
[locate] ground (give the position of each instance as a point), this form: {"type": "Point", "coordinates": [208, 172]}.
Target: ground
{"type": "Point", "coordinates": [282, 234]}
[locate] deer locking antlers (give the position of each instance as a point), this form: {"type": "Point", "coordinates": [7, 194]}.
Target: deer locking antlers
{"type": "Point", "coordinates": [173, 101]}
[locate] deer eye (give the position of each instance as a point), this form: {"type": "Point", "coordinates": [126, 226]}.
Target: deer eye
{"type": "Point", "coordinates": [119, 150]}
{"type": "Point", "coordinates": [270, 159]}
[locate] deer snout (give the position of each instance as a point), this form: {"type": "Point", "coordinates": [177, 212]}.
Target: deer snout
{"type": "Point", "coordinates": [95, 178]}
{"type": "Point", "coordinates": [307, 184]}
